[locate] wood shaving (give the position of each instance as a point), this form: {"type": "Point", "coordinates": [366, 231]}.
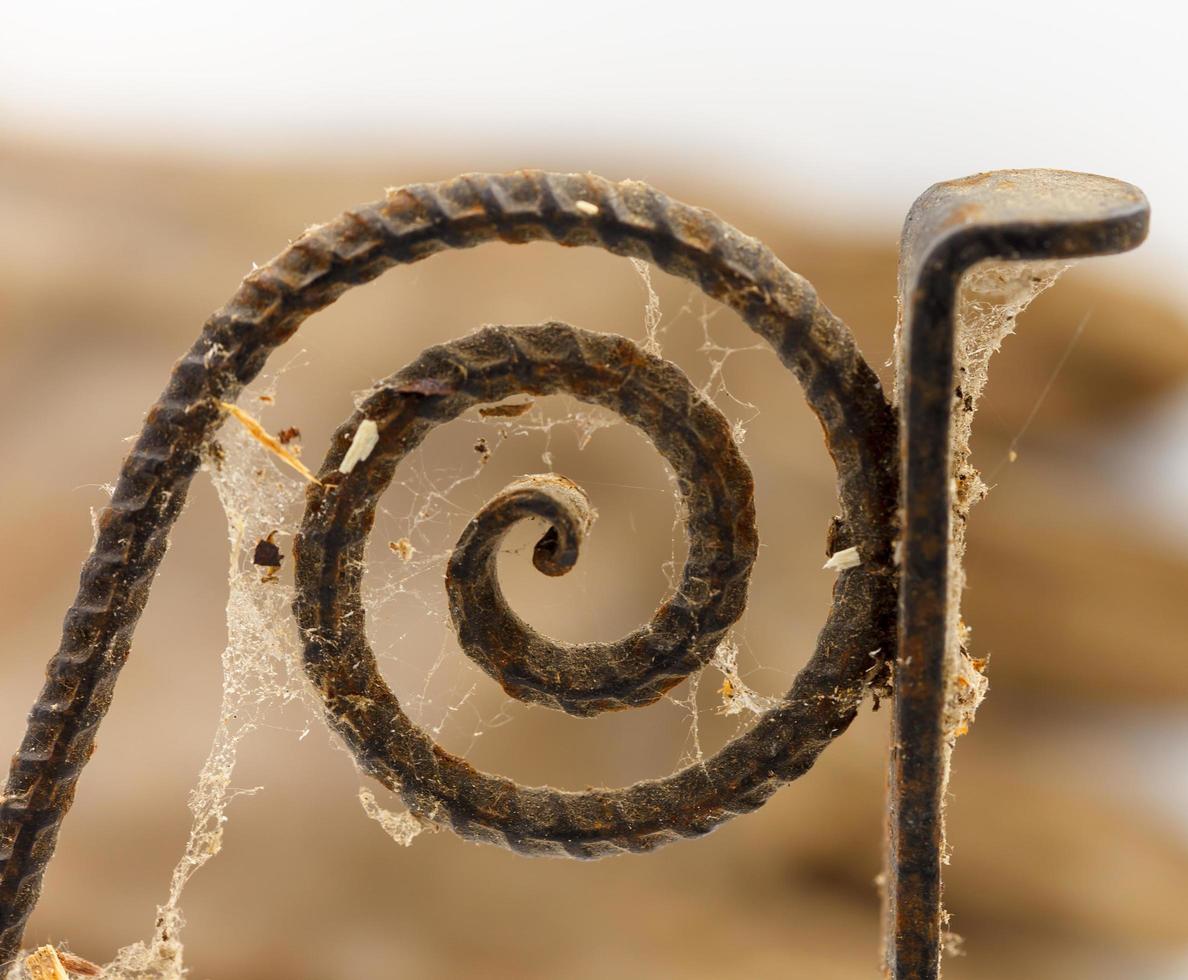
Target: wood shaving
{"type": "Point", "coordinates": [43, 964]}
{"type": "Point", "coordinates": [365, 440]}
{"type": "Point", "coordinates": [260, 434]}
{"type": "Point", "coordinates": [846, 558]}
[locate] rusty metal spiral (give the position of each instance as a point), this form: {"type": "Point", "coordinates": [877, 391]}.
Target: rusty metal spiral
{"type": "Point", "coordinates": [715, 485]}
{"type": "Point", "coordinates": [583, 679]}
{"type": "Point", "coordinates": [408, 225]}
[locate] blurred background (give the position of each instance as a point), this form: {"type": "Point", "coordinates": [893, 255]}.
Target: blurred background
{"type": "Point", "coordinates": [150, 154]}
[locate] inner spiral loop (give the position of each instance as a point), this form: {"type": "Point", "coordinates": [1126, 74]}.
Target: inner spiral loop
{"type": "Point", "coordinates": [718, 499]}
{"type": "Point", "coordinates": [716, 488]}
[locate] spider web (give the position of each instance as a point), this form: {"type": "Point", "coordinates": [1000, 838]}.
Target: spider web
{"type": "Point", "coordinates": [991, 298]}
{"type": "Point", "coordinates": [261, 663]}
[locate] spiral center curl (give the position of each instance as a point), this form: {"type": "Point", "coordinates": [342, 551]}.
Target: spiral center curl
{"type": "Point", "coordinates": [716, 490]}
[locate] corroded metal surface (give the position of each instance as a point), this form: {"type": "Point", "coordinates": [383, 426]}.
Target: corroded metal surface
{"type": "Point", "coordinates": [585, 678]}
{"type": "Point", "coordinates": [1006, 215]}
{"type": "Point", "coordinates": [410, 224]}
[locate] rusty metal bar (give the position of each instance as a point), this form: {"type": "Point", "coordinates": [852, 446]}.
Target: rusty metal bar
{"type": "Point", "coordinates": [1005, 215]}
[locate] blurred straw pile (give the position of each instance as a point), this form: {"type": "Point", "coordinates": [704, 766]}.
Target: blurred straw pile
{"type": "Point", "coordinates": [1070, 830]}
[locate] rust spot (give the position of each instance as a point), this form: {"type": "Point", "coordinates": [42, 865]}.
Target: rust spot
{"type": "Point", "coordinates": [964, 214]}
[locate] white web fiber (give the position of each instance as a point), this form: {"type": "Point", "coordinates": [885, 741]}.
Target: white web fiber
{"type": "Point", "coordinates": [992, 296]}
{"type": "Point", "coordinates": [261, 672]}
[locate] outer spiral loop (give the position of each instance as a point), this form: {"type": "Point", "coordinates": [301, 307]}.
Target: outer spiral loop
{"type": "Point", "coordinates": [406, 226]}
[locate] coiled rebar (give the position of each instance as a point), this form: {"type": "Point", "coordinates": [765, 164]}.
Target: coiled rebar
{"type": "Point", "coordinates": [408, 225]}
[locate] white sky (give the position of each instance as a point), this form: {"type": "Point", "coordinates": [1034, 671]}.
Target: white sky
{"type": "Point", "coordinates": [846, 109]}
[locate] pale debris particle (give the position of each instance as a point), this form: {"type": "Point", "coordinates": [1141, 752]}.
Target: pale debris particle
{"type": "Point", "coordinates": [43, 964]}
{"type": "Point", "coordinates": [737, 697]}
{"type": "Point", "coordinates": [846, 558]}
{"type": "Point", "coordinates": [403, 548]}
{"type": "Point", "coordinates": [879, 681]}
{"type": "Point", "coordinates": [365, 440]}
{"type": "Point", "coordinates": [401, 827]}
{"type": "Point", "coordinates": [651, 309]}
{"type": "Point", "coordinates": [969, 688]}
{"type": "Point", "coordinates": [505, 411]}
{"type": "Point", "coordinates": [260, 435]}
{"type": "Point", "coordinates": [586, 207]}
{"type": "Point", "coordinates": [215, 350]}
